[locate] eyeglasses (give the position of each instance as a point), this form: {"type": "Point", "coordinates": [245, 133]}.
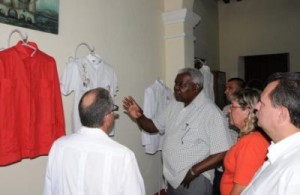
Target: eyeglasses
{"type": "Point", "coordinates": [116, 108]}
{"type": "Point", "coordinates": [232, 107]}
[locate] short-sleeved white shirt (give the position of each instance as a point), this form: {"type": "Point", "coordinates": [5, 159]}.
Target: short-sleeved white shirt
{"type": "Point", "coordinates": [208, 82]}
{"type": "Point", "coordinates": [83, 74]}
{"type": "Point", "coordinates": [156, 98]}
{"type": "Point", "coordinates": [280, 174]}
{"type": "Point", "coordinates": [192, 133]}
{"type": "Point", "coordinates": [88, 162]}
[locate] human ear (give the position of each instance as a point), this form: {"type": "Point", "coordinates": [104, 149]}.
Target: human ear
{"type": "Point", "coordinates": [108, 120]}
{"type": "Point", "coordinates": [284, 114]}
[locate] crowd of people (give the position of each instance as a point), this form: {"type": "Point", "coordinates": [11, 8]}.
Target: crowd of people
{"type": "Point", "coordinates": [252, 146]}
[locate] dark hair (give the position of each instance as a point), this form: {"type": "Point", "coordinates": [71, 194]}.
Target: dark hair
{"type": "Point", "coordinates": [255, 83]}
{"type": "Point", "coordinates": [240, 82]}
{"type": "Point", "coordinates": [93, 115]}
{"type": "Point", "coordinates": [287, 93]}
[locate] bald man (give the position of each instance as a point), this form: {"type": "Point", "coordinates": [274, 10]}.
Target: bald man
{"type": "Point", "coordinates": [89, 162]}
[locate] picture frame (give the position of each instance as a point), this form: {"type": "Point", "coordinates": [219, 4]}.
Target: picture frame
{"type": "Point", "coordinates": [41, 15]}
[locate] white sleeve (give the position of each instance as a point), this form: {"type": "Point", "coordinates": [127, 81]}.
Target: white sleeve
{"type": "Point", "coordinates": [114, 85]}
{"type": "Point", "coordinates": [148, 110]}
{"type": "Point", "coordinates": [68, 79]}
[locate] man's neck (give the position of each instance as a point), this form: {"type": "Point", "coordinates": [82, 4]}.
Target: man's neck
{"type": "Point", "coordinates": [285, 132]}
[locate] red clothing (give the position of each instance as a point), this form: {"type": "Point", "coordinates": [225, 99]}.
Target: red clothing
{"type": "Point", "coordinates": [243, 160]}
{"type": "Point", "coordinates": [31, 112]}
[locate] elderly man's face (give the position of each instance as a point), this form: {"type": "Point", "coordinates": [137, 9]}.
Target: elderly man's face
{"type": "Point", "coordinates": [184, 89]}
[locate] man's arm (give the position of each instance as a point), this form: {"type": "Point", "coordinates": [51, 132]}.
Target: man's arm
{"type": "Point", "coordinates": [135, 112]}
{"type": "Point", "coordinates": [210, 162]}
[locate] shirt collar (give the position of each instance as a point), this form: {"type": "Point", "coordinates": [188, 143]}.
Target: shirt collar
{"type": "Point", "coordinates": [24, 51]}
{"type": "Point", "coordinates": [200, 99]}
{"type": "Point", "coordinates": [277, 150]}
{"type": "Point", "coordinates": [92, 131]}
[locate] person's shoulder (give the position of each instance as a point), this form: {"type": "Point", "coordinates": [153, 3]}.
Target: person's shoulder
{"type": "Point", "coordinates": [209, 107]}
{"type": "Point", "coordinates": [59, 142]}
{"type": "Point", "coordinates": [121, 148]}
{"type": "Point", "coordinates": [226, 109]}
{"type": "Point", "coordinates": [65, 138]}
{"type": "Point", "coordinates": [255, 138]}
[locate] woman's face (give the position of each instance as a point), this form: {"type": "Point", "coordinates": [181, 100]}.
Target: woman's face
{"type": "Point", "coordinates": [238, 115]}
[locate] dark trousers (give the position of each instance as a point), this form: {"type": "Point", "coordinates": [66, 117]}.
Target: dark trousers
{"type": "Point", "coordinates": [199, 186]}
{"type": "Point", "coordinates": [217, 181]}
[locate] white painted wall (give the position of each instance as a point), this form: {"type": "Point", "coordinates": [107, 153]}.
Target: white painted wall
{"type": "Point", "coordinates": [207, 32]}
{"type": "Point", "coordinates": [129, 35]}
{"type": "Point", "coordinates": [258, 27]}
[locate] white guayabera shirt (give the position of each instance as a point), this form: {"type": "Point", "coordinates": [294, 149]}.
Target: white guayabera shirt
{"type": "Point", "coordinates": [89, 162]}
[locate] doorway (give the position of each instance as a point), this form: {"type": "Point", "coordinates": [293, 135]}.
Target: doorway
{"type": "Point", "coordinates": [259, 67]}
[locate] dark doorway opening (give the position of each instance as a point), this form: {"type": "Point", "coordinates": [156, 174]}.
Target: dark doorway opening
{"type": "Point", "coordinates": [259, 67]}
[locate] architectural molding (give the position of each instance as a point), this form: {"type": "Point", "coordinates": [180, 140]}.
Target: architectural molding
{"type": "Point", "coordinates": [178, 35]}
{"type": "Point", "coordinates": [181, 16]}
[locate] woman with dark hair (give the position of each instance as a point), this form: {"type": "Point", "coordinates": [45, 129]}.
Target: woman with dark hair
{"type": "Point", "coordinates": [248, 154]}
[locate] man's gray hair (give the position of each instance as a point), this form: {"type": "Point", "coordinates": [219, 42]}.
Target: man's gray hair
{"type": "Point", "coordinates": [195, 74]}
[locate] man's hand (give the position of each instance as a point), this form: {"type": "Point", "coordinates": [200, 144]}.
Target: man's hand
{"type": "Point", "coordinates": [132, 108]}
{"type": "Point", "coordinates": [188, 178]}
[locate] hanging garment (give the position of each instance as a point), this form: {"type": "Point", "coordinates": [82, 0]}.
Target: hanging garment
{"type": "Point", "coordinates": [31, 111]}
{"type": "Point", "coordinates": [208, 85]}
{"type": "Point", "coordinates": [83, 74]}
{"type": "Point", "coordinates": [156, 98]}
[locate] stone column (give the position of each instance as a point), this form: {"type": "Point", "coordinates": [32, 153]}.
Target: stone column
{"type": "Point", "coordinates": [179, 41]}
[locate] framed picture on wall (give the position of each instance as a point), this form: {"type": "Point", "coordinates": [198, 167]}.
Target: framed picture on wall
{"type": "Point", "coordinates": [39, 15]}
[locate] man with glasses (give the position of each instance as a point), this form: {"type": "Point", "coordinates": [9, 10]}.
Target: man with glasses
{"type": "Point", "coordinates": [196, 135]}
{"type": "Point", "coordinates": [88, 161]}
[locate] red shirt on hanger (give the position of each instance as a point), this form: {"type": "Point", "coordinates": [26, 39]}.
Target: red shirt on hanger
{"type": "Point", "coordinates": [31, 111]}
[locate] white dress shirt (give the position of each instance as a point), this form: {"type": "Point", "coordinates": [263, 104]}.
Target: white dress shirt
{"type": "Point", "coordinates": [90, 163]}
{"type": "Point", "coordinates": [280, 174]}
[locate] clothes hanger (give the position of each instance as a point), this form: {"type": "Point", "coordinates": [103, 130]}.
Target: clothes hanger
{"type": "Point", "coordinates": [91, 49]}
{"type": "Point", "coordinates": [92, 57]}
{"type": "Point", "coordinates": [24, 39]}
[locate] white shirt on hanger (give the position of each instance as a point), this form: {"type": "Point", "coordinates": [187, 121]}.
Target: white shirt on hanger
{"type": "Point", "coordinates": [208, 79]}
{"type": "Point", "coordinates": [83, 74]}
{"type": "Point", "coordinates": [156, 98]}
